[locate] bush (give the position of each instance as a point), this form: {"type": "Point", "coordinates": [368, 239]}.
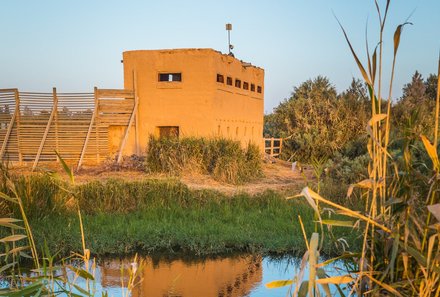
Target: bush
{"type": "Point", "coordinates": [225, 160]}
{"type": "Point", "coordinates": [341, 171]}
{"type": "Point", "coordinates": [316, 122]}
{"type": "Point", "coordinates": [346, 170]}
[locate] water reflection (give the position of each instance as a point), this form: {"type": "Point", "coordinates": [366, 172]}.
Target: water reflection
{"type": "Point", "coordinates": [237, 276]}
{"type": "Point", "coordinates": [233, 276]}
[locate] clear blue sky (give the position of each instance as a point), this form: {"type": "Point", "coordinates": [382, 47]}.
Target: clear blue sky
{"type": "Point", "coordinates": [75, 45]}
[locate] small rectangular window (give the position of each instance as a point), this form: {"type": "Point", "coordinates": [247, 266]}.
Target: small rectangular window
{"type": "Point", "coordinates": [170, 76]}
{"type": "Point", "coordinates": [259, 89]}
{"type": "Point", "coordinates": [245, 85]}
{"type": "Point", "coordinates": [220, 78]}
{"type": "Point", "coordinates": [238, 83]}
{"type": "Point", "coordinates": [229, 81]}
{"type": "Point", "coordinates": [252, 87]}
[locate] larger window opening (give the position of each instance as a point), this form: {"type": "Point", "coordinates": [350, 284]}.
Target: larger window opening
{"type": "Point", "coordinates": [170, 76]}
{"type": "Point", "coordinates": [168, 131]}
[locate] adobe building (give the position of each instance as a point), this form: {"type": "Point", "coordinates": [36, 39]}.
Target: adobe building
{"type": "Point", "coordinates": [192, 92]}
{"type": "Point", "coordinates": [179, 92]}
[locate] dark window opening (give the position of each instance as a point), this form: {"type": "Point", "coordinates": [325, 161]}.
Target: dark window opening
{"type": "Point", "coordinates": [168, 131]}
{"type": "Point", "coordinates": [252, 87]}
{"type": "Point", "coordinates": [238, 83]}
{"type": "Point", "coordinates": [229, 81]}
{"type": "Point", "coordinates": [170, 76]}
{"type": "Point", "coordinates": [220, 78]}
{"type": "Point", "coordinates": [246, 85]}
{"type": "Point", "coordinates": [259, 89]}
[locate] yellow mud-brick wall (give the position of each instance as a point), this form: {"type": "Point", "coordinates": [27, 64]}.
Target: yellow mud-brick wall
{"type": "Point", "coordinates": [198, 103]}
{"type": "Point", "coordinates": [239, 97]}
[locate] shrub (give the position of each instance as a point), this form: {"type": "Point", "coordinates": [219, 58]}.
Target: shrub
{"type": "Point", "coordinates": [341, 171]}
{"type": "Point", "coordinates": [316, 122]}
{"type": "Point", "coordinates": [345, 170]}
{"type": "Point", "coordinates": [225, 160]}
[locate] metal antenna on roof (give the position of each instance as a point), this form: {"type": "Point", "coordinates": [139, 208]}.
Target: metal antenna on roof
{"type": "Point", "coordinates": [230, 46]}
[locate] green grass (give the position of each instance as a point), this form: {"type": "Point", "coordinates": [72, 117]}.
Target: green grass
{"type": "Point", "coordinates": [122, 217]}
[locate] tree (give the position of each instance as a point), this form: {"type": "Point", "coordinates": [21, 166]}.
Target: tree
{"type": "Point", "coordinates": [316, 121]}
{"type": "Point", "coordinates": [414, 92]}
{"type": "Point", "coordinates": [431, 87]}
{"type": "Point", "coordinates": [413, 113]}
{"type": "Point", "coordinates": [355, 111]}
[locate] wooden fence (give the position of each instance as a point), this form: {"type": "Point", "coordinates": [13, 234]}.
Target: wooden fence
{"type": "Point", "coordinates": [273, 146]}
{"type": "Point", "coordinates": [35, 125]}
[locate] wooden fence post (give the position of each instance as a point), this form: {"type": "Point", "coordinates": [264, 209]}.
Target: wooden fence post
{"type": "Point", "coordinates": [46, 131]}
{"type": "Point", "coordinates": [55, 103]}
{"type": "Point", "coordinates": [8, 133]}
{"type": "Point", "coordinates": [89, 131]}
{"type": "Point", "coordinates": [271, 146]}
{"type": "Point", "coordinates": [130, 123]}
{"type": "Point", "coordinates": [17, 123]}
{"type": "Point", "coordinates": [97, 125]}
{"type": "Point", "coordinates": [281, 146]}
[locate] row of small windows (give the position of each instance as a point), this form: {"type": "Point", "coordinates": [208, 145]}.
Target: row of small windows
{"type": "Point", "coordinates": [238, 83]}
{"type": "Point", "coordinates": [170, 77]}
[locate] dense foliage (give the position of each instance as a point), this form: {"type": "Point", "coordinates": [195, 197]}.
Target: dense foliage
{"type": "Point", "coordinates": [414, 111]}
{"type": "Point", "coordinates": [399, 190]}
{"type": "Point", "coordinates": [317, 122]}
{"type": "Point", "coordinates": [225, 160]}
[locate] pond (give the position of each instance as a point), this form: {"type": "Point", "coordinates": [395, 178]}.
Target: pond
{"type": "Point", "coordinates": [243, 275]}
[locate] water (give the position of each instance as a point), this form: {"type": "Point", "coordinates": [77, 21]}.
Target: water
{"type": "Point", "coordinates": [237, 276]}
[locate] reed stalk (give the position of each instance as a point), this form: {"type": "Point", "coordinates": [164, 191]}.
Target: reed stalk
{"type": "Point", "coordinates": [400, 254]}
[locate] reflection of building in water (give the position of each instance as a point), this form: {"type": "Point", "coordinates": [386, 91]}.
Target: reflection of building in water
{"type": "Point", "coordinates": [217, 277]}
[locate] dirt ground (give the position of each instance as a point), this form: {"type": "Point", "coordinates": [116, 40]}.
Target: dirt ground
{"type": "Point", "coordinates": [278, 176]}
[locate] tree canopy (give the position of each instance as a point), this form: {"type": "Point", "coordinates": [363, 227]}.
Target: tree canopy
{"type": "Point", "coordinates": [318, 122]}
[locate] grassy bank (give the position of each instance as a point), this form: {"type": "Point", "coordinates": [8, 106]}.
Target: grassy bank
{"type": "Point", "coordinates": [161, 215]}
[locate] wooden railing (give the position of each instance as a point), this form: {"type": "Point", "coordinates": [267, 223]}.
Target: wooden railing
{"type": "Point", "coordinates": [35, 125]}
{"type": "Point", "coordinates": [273, 146]}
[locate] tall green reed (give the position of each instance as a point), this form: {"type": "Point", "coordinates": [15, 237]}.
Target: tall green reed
{"type": "Point", "coordinates": [401, 229]}
{"type": "Point", "coordinates": [46, 277]}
